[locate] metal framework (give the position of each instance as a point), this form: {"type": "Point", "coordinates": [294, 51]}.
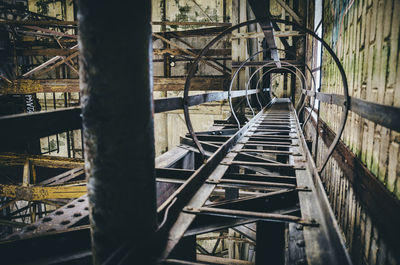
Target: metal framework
{"type": "Point", "coordinates": [258, 180]}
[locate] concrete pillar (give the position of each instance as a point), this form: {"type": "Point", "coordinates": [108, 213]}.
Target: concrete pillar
{"type": "Point", "coordinates": [116, 86]}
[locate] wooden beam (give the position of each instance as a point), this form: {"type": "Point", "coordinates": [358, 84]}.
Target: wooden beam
{"type": "Point", "coordinates": [290, 11]}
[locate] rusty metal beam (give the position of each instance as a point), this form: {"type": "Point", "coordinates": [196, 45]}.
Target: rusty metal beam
{"type": "Point", "coordinates": [44, 52]}
{"type": "Point", "coordinates": [51, 63]}
{"type": "Point", "coordinates": [185, 23]}
{"type": "Point", "coordinates": [47, 123]}
{"type": "Point", "coordinates": [30, 86]}
{"type": "Point", "coordinates": [199, 83]}
{"type": "Point", "coordinates": [66, 52]}
{"type": "Point", "coordinates": [193, 32]}
{"type": "Point", "coordinates": [12, 159]}
{"type": "Point", "coordinates": [39, 193]}
{"type": "Point", "coordinates": [176, 52]}
{"type": "Point", "coordinates": [366, 109]}
{"type": "Point", "coordinates": [261, 10]}
{"type": "Point", "coordinates": [31, 126]}
{"type": "Point", "coordinates": [236, 64]}
{"type": "Point", "coordinates": [184, 50]}
{"type": "Point", "coordinates": [38, 22]}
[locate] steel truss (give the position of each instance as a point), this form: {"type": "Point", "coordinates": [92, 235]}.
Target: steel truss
{"type": "Point", "coordinates": [270, 184]}
{"type": "Point", "coordinates": [260, 180]}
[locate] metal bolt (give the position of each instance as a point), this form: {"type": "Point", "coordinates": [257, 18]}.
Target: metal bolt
{"type": "Point", "coordinates": [299, 227]}
{"type": "Point", "coordinates": [189, 208]}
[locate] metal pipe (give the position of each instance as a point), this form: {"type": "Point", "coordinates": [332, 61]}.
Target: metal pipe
{"type": "Point", "coordinates": [116, 84]}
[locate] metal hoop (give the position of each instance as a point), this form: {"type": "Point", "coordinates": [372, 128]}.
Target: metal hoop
{"type": "Point", "coordinates": [242, 65]}
{"type": "Point", "coordinates": [258, 82]}
{"type": "Point", "coordinates": [346, 102]}
{"type": "Point", "coordinates": [260, 68]}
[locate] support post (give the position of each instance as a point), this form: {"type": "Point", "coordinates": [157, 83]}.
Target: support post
{"type": "Point", "coordinates": [116, 86]}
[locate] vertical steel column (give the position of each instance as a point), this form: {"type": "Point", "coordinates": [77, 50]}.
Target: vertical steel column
{"type": "Point", "coordinates": [116, 86]}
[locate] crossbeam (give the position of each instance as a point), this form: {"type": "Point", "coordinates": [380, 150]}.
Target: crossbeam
{"type": "Point", "coordinates": [39, 193]}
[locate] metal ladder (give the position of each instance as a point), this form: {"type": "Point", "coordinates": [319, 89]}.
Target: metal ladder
{"type": "Point", "coordinates": [267, 188]}
{"type": "Point", "coordinates": [270, 180]}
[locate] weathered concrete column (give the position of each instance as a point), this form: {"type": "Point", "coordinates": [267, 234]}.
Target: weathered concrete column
{"type": "Point", "coordinates": [115, 76]}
